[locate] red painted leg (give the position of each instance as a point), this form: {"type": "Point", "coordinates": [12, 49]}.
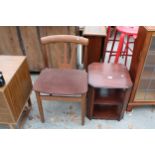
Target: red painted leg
{"type": "Point", "coordinates": [120, 47]}
{"type": "Point", "coordinates": [113, 43]}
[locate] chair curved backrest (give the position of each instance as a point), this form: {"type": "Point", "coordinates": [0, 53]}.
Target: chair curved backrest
{"type": "Point", "coordinates": [70, 43]}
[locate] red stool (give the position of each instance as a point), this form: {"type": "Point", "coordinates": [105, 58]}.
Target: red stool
{"type": "Point", "coordinates": [130, 32]}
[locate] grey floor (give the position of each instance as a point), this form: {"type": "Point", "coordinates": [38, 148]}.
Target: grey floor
{"type": "Point", "coordinates": [60, 115]}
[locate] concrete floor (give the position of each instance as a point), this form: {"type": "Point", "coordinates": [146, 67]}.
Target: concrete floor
{"type": "Point", "coordinates": [67, 115]}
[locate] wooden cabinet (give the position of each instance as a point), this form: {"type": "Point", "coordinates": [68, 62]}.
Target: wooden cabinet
{"type": "Point", "coordinates": [143, 69]}
{"type": "Point", "coordinates": [96, 36]}
{"type": "Point", "coordinates": [16, 91]}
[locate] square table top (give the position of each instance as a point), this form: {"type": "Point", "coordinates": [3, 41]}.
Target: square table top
{"type": "Point", "coordinates": [102, 75]}
{"type": "Point", "coordinates": [9, 66]}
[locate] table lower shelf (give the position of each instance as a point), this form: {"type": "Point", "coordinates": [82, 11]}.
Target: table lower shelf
{"type": "Point", "coordinates": [105, 112]}
{"type": "Point", "coordinates": [108, 97]}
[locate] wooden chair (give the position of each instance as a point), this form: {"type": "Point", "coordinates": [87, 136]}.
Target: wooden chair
{"type": "Point", "coordinates": [64, 83]}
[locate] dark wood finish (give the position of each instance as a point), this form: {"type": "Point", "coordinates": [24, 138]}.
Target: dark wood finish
{"type": "Point", "coordinates": [96, 36]}
{"type": "Point", "coordinates": [102, 75]}
{"type": "Point", "coordinates": [105, 112]}
{"type": "Point", "coordinates": [114, 97]}
{"type": "Point", "coordinates": [138, 64]}
{"type": "Point", "coordinates": [110, 87]}
{"type": "Point", "coordinates": [63, 83]}
{"type": "Point", "coordinates": [126, 101]}
{"type": "Point", "coordinates": [16, 92]}
{"type": "Point", "coordinates": [49, 79]}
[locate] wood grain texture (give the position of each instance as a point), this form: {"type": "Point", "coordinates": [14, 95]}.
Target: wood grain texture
{"type": "Point", "coordinates": [66, 57]}
{"type": "Point", "coordinates": [17, 89]}
{"type": "Point", "coordinates": [31, 43]}
{"type": "Point", "coordinates": [5, 115]}
{"type": "Point", "coordinates": [25, 40]}
{"type": "Point", "coordinates": [56, 30]}
{"type": "Point", "coordinates": [64, 38]}
{"type": "Point", "coordinates": [9, 66]}
{"type": "Point", "coordinates": [9, 41]}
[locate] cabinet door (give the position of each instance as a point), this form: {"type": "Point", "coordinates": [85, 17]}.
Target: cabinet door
{"type": "Point", "coordinates": [146, 88]}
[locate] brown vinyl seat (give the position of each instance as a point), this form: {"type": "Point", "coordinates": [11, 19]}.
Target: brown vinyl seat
{"type": "Point", "coordinates": [65, 83]}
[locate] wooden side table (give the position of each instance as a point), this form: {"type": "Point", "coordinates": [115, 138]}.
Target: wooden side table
{"type": "Point", "coordinates": [96, 36]}
{"type": "Point", "coordinates": [110, 87]}
{"type": "Point", "coordinates": [16, 92]}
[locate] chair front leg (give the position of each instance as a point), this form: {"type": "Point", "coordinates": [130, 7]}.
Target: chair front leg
{"type": "Point", "coordinates": [83, 109]}
{"type": "Point", "coordinates": [39, 101]}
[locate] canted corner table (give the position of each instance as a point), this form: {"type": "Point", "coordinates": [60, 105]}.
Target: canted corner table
{"type": "Point", "coordinates": [109, 90]}
{"type": "Point", "coordinates": [15, 103]}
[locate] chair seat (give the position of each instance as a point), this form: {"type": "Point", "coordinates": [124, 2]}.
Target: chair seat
{"type": "Point", "coordinates": [61, 81]}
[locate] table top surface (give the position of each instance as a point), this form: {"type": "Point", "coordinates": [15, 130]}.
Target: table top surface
{"type": "Point", "coordinates": [94, 31]}
{"type": "Point", "coordinates": [9, 66]}
{"type": "Point", "coordinates": [102, 75]}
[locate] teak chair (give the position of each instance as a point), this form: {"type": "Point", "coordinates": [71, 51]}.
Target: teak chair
{"type": "Point", "coordinates": [64, 83]}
